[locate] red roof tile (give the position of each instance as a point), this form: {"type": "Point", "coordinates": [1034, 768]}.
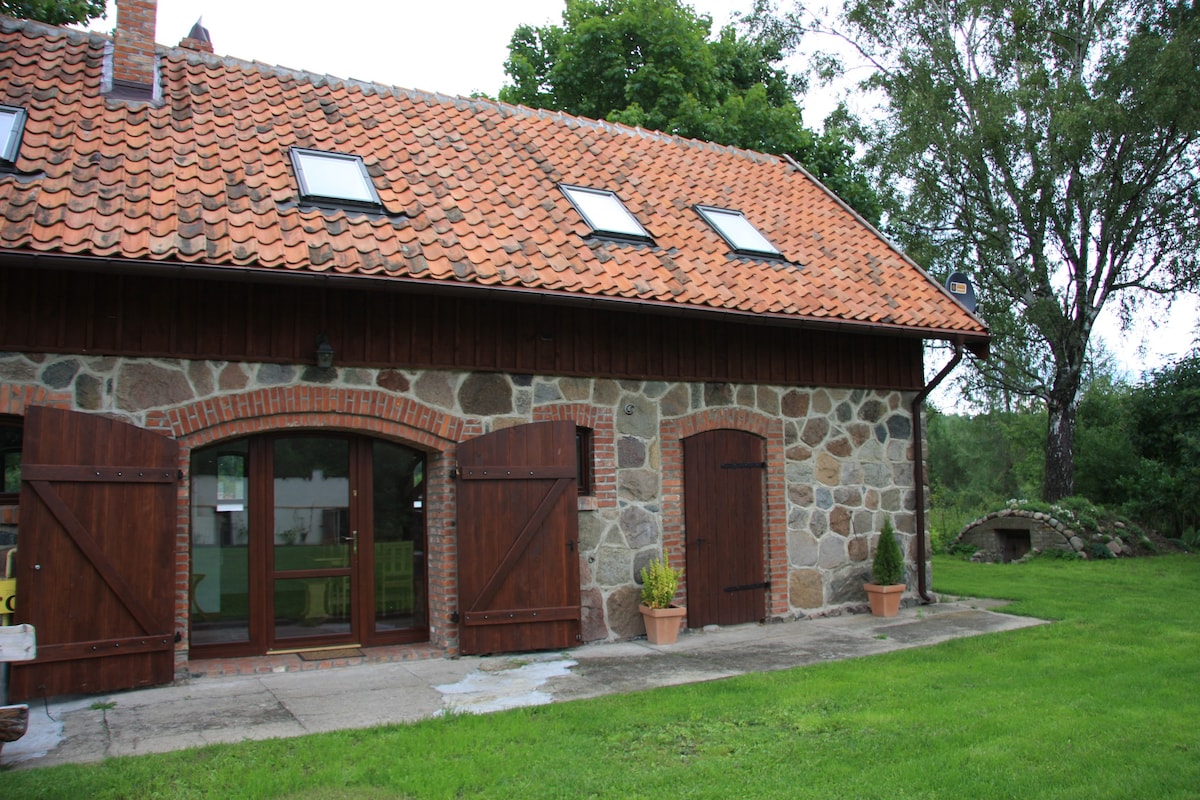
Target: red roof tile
{"type": "Point", "coordinates": [470, 188]}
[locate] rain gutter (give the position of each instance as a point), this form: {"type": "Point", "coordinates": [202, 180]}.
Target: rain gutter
{"type": "Point", "coordinates": [919, 470]}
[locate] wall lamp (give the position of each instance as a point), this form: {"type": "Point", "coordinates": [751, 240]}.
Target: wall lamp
{"type": "Point", "coordinates": [324, 352]}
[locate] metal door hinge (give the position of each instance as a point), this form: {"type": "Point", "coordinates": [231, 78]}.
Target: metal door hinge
{"type": "Point", "coordinates": [746, 587]}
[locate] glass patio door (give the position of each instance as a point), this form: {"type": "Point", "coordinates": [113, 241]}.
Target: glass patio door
{"type": "Point", "coordinates": [307, 539]}
{"type": "Point", "coordinates": [314, 542]}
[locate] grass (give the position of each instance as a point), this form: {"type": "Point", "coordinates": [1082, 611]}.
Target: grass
{"type": "Point", "coordinates": [1102, 704]}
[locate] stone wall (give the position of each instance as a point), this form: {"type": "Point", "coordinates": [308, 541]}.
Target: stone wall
{"type": "Point", "coordinates": [839, 461]}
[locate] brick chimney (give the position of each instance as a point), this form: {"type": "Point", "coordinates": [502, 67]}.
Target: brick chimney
{"type": "Point", "coordinates": [134, 62]}
{"type": "Point", "coordinates": [198, 38]}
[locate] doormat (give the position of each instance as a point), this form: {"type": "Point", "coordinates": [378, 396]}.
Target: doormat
{"type": "Point", "coordinates": [325, 655]}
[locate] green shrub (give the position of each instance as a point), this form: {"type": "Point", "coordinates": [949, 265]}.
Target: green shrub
{"type": "Point", "coordinates": [960, 550]}
{"type": "Point", "coordinates": [888, 566]}
{"type": "Point", "coordinates": [1099, 551]}
{"type": "Point", "coordinates": [1191, 538]}
{"type": "Point", "coordinates": [659, 582]}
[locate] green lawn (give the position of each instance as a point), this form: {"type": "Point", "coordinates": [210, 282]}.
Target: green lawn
{"type": "Point", "coordinates": [1102, 704]}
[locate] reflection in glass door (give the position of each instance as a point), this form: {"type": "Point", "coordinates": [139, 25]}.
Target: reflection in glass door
{"type": "Point", "coordinates": [313, 546]}
{"type": "Point", "coordinates": [398, 509]}
{"type": "Point", "coordinates": [306, 539]}
{"type": "Point", "coordinates": [219, 590]}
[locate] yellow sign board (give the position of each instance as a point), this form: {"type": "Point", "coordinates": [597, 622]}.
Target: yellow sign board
{"type": "Point", "coordinates": [8, 595]}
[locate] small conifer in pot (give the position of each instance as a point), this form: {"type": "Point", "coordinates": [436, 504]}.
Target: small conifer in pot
{"type": "Point", "coordinates": [887, 570]}
{"type": "Point", "coordinates": [888, 566]}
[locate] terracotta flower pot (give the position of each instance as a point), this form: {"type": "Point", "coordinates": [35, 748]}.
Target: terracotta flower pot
{"type": "Point", "coordinates": [662, 624]}
{"type": "Point", "coordinates": [885, 600]}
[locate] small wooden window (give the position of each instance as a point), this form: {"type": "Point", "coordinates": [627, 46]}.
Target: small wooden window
{"type": "Point", "coordinates": [10, 461]}
{"type": "Point", "coordinates": [583, 459]}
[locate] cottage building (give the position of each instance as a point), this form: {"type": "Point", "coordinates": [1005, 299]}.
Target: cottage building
{"type": "Point", "coordinates": [291, 362]}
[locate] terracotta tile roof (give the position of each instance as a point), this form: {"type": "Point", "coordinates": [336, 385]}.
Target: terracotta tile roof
{"type": "Point", "coordinates": [470, 188]}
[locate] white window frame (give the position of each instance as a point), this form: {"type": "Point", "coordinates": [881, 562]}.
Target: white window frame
{"type": "Point", "coordinates": [738, 232]}
{"type": "Point", "coordinates": [604, 212]}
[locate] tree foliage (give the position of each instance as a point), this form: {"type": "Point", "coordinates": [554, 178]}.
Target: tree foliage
{"type": "Point", "coordinates": [654, 64]}
{"type": "Point", "coordinates": [54, 12]}
{"type": "Point", "coordinates": [1138, 452]}
{"type": "Point", "coordinates": [1165, 432]}
{"type": "Point", "coordinates": [1050, 146]}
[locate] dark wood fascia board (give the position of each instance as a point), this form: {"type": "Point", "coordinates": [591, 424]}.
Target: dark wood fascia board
{"type": "Point", "coordinates": [976, 343]}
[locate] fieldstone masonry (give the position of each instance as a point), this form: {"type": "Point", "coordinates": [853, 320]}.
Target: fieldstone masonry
{"type": "Point", "coordinates": [847, 456]}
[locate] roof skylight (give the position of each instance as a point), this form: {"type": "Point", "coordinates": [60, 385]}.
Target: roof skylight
{"type": "Point", "coordinates": [737, 231]}
{"type": "Point", "coordinates": [333, 178]}
{"type": "Point", "coordinates": [604, 212]}
{"type": "Point", "coordinates": [12, 124]}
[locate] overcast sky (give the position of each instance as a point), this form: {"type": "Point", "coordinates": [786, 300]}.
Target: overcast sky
{"type": "Point", "coordinates": [449, 46]}
{"type": "Point", "coordinates": [458, 47]}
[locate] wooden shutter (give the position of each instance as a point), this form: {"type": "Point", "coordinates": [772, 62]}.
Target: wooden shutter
{"type": "Point", "coordinates": [95, 554]}
{"type": "Point", "coordinates": [517, 540]}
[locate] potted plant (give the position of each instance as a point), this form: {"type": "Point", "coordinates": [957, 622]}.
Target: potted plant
{"type": "Point", "coordinates": [663, 620]}
{"type": "Point", "coordinates": [887, 571]}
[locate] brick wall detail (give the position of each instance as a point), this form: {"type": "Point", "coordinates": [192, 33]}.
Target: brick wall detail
{"type": "Point", "coordinates": [134, 58]}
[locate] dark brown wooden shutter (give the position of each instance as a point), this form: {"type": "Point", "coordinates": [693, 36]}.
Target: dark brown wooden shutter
{"type": "Point", "coordinates": [517, 540]}
{"type": "Point", "coordinates": [95, 554]}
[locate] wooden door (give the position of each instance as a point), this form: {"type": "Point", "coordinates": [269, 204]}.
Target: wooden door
{"type": "Point", "coordinates": [96, 554]}
{"type": "Point", "coordinates": [517, 538]}
{"type": "Point", "coordinates": [723, 473]}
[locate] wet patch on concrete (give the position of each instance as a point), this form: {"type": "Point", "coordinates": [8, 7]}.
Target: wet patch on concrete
{"type": "Point", "coordinates": [503, 683]}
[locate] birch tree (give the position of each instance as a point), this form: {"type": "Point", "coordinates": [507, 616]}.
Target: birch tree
{"type": "Point", "coordinates": [1050, 147]}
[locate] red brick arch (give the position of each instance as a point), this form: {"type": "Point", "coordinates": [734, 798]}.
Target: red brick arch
{"type": "Point", "coordinates": [15, 399]}
{"type": "Point", "coordinates": [672, 432]}
{"type": "Point", "coordinates": [365, 410]}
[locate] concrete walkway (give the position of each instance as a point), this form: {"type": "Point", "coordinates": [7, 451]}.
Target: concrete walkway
{"type": "Point", "coordinates": [234, 709]}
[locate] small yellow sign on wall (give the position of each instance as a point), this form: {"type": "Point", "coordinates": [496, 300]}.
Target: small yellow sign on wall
{"type": "Point", "coordinates": [8, 595]}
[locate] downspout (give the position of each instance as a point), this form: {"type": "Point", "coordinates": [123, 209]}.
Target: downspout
{"type": "Point", "coordinates": [919, 469]}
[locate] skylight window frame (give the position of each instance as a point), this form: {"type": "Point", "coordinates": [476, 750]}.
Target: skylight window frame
{"type": "Point", "coordinates": [307, 193]}
{"type": "Point", "coordinates": [711, 214]}
{"type": "Point", "coordinates": [642, 235]}
{"type": "Point", "coordinates": [10, 150]}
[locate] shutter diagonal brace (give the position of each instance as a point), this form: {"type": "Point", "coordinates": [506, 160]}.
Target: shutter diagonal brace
{"type": "Point", "coordinates": [87, 545]}
{"type": "Point", "coordinates": [488, 593]}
